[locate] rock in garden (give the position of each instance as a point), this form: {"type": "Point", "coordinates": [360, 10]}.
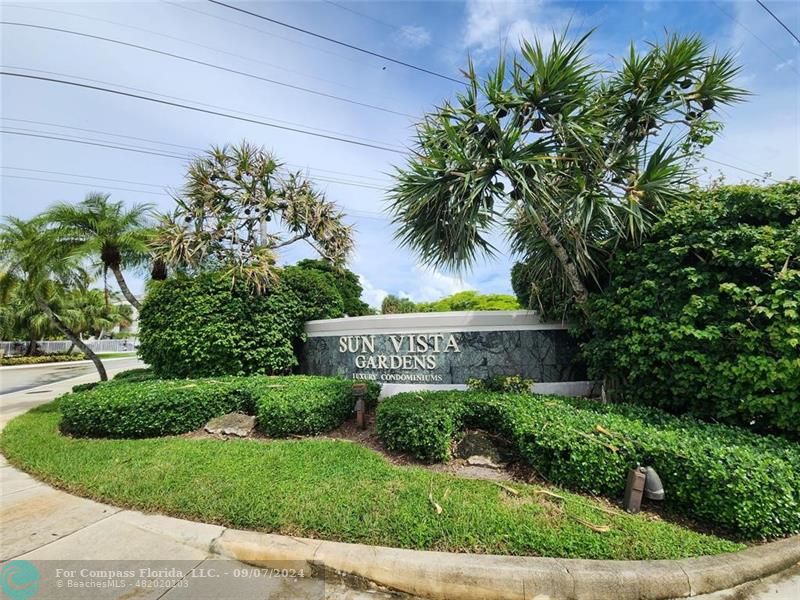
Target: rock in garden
{"type": "Point", "coordinates": [478, 443]}
{"type": "Point", "coordinates": [482, 461]}
{"type": "Point", "coordinates": [236, 424]}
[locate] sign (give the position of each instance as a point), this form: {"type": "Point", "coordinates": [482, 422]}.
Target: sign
{"type": "Point", "coordinates": [407, 358]}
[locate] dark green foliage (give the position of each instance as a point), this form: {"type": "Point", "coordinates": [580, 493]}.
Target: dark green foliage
{"type": "Point", "coordinates": [704, 318]}
{"type": "Point", "coordinates": [512, 384]}
{"type": "Point", "coordinates": [346, 282]}
{"type": "Point", "coordinates": [295, 405]}
{"type": "Point", "coordinates": [316, 291]}
{"type": "Point", "coordinates": [202, 326]}
{"type": "Point", "coordinates": [141, 374]}
{"type": "Point", "coordinates": [722, 475]}
{"type": "Point", "coordinates": [148, 408]}
{"type": "Point", "coordinates": [538, 290]}
{"type": "Point", "coordinates": [301, 405]}
{"type": "Point", "coordinates": [84, 387]}
{"type": "Point", "coordinates": [393, 305]}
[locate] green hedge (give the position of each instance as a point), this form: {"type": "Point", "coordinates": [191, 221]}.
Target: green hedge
{"type": "Point", "coordinates": [42, 359]}
{"type": "Point", "coordinates": [284, 406]}
{"type": "Point", "coordinates": [703, 318]}
{"type": "Point", "coordinates": [148, 409]}
{"type": "Point", "coordinates": [722, 475]}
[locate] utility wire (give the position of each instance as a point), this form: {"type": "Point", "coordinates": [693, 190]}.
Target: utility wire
{"type": "Point", "coordinates": [103, 144]}
{"type": "Point", "coordinates": [191, 148]}
{"type": "Point", "coordinates": [110, 187]}
{"type": "Point", "coordinates": [153, 185]}
{"type": "Point", "coordinates": [751, 32]}
{"type": "Point", "coordinates": [335, 41]}
{"type": "Point", "coordinates": [724, 164]}
{"type": "Point", "coordinates": [203, 104]}
{"type": "Point", "coordinates": [200, 110]}
{"type": "Point", "coordinates": [348, 212]}
{"type": "Point", "coordinates": [184, 41]}
{"type": "Point", "coordinates": [774, 16]}
{"type": "Point", "coordinates": [210, 65]}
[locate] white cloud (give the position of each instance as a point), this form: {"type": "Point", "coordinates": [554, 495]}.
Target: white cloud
{"type": "Point", "coordinates": [371, 295]}
{"type": "Point", "coordinates": [493, 24]}
{"type": "Point", "coordinates": [414, 36]}
{"type": "Point", "coordinates": [433, 285]}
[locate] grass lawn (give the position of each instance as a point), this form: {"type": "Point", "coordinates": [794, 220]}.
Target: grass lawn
{"type": "Point", "coordinates": [338, 490]}
{"type": "Point", "coordinates": [131, 354]}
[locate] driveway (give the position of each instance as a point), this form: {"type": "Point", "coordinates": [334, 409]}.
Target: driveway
{"type": "Point", "coordinates": [24, 377]}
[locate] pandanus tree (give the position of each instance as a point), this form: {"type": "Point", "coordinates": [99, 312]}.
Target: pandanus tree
{"type": "Point", "coordinates": [568, 159]}
{"type": "Point", "coordinates": [42, 268]}
{"type": "Point", "coordinates": [105, 231]}
{"type": "Point", "coordinates": [238, 208]}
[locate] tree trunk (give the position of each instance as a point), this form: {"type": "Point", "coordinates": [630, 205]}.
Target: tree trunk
{"type": "Point", "coordinates": [579, 289]}
{"type": "Point", "coordinates": [125, 289]}
{"type": "Point", "coordinates": [31, 349]}
{"type": "Point", "coordinates": [68, 333]}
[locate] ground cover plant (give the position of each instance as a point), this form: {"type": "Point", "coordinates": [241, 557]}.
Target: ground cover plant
{"type": "Point", "coordinates": [725, 476]}
{"type": "Point", "coordinates": [137, 407]}
{"type": "Point", "coordinates": [338, 490]}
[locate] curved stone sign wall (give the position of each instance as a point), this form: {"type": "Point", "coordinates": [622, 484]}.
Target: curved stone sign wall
{"type": "Point", "coordinates": [443, 350]}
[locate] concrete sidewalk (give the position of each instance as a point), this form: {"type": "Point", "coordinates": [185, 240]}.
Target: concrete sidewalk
{"type": "Point", "coordinates": [52, 529]}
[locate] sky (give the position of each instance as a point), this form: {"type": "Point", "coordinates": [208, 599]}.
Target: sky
{"type": "Point", "coordinates": [762, 136]}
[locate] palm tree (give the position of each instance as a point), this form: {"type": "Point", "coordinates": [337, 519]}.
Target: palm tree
{"type": "Point", "coordinates": [105, 229]}
{"type": "Point", "coordinates": [562, 155]}
{"type": "Point", "coordinates": [42, 267]}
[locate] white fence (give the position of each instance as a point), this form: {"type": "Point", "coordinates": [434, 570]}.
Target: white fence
{"type": "Point", "coordinates": [55, 346]}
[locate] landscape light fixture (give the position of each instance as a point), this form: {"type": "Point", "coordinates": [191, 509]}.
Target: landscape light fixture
{"type": "Point", "coordinates": [359, 391]}
{"type": "Point", "coordinates": [642, 481]}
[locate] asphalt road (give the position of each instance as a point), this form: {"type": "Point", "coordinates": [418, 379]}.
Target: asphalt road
{"type": "Point", "coordinates": [14, 379]}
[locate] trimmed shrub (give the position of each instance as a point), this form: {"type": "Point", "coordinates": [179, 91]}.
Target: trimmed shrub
{"type": "Point", "coordinates": [42, 358]}
{"type": "Point", "coordinates": [203, 327]}
{"type": "Point", "coordinates": [316, 291]}
{"type": "Point", "coordinates": [141, 374]}
{"type": "Point", "coordinates": [722, 475]}
{"type": "Point", "coordinates": [704, 317]}
{"type": "Point", "coordinates": [148, 408]}
{"type": "Point", "coordinates": [511, 384]}
{"type": "Point", "coordinates": [294, 405]}
{"type": "Point", "coordinates": [345, 281]}
{"type": "Point", "coordinates": [300, 405]}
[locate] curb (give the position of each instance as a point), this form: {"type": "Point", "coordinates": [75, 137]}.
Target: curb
{"type": "Point", "coordinates": [443, 575]}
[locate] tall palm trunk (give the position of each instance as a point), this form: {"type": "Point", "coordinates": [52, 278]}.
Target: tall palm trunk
{"type": "Point", "coordinates": [67, 332]}
{"type": "Point", "coordinates": [124, 288]}
{"type": "Point", "coordinates": [579, 289]}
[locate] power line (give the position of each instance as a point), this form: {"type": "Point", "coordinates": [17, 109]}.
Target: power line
{"type": "Point", "coordinates": [335, 41]}
{"type": "Point", "coordinates": [161, 187]}
{"type": "Point", "coordinates": [210, 65]}
{"type": "Point", "coordinates": [200, 110]}
{"type": "Point", "coordinates": [184, 41]}
{"type": "Point", "coordinates": [83, 184]}
{"type": "Point", "coordinates": [216, 106]}
{"type": "Point", "coordinates": [187, 7]}
{"type": "Point", "coordinates": [724, 164]}
{"type": "Point", "coordinates": [192, 148]}
{"type": "Point", "coordinates": [348, 212]}
{"type": "Point", "coordinates": [103, 144]}
{"type": "Point", "coordinates": [751, 32]}
{"type": "Point", "coordinates": [774, 16]}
